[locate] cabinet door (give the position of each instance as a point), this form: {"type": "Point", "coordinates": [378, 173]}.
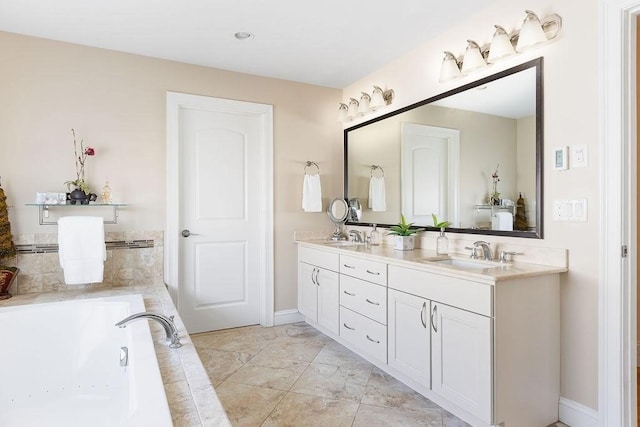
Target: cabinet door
{"type": "Point", "coordinates": [409, 336]}
{"type": "Point", "coordinates": [328, 299]}
{"type": "Point", "coordinates": [461, 359]}
{"type": "Point", "coordinates": [308, 290]}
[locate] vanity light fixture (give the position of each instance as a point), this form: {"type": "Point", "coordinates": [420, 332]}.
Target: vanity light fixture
{"type": "Point", "coordinates": [342, 112]}
{"type": "Point", "coordinates": [531, 32]}
{"type": "Point", "coordinates": [365, 102]}
{"type": "Point", "coordinates": [352, 111]}
{"type": "Point", "coordinates": [368, 103]}
{"type": "Point", "coordinates": [534, 32]}
{"type": "Point", "coordinates": [473, 59]}
{"type": "Point", "coordinates": [501, 46]}
{"type": "Point", "coordinates": [449, 70]}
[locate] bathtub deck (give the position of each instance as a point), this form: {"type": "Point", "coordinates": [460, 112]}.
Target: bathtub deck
{"type": "Point", "coordinates": [192, 399]}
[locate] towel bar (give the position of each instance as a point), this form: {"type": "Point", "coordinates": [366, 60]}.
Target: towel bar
{"type": "Point", "coordinates": [43, 211]}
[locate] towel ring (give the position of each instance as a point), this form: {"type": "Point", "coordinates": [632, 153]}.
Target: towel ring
{"type": "Point", "coordinates": [374, 167]}
{"type": "Point", "coordinates": [309, 164]}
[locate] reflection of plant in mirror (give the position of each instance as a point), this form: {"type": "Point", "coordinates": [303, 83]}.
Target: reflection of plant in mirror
{"type": "Point", "coordinates": [439, 224]}
{"type": "Point", "coordinates": [495, 196]}
{"type": "Point", "coordinates": [403, 228]}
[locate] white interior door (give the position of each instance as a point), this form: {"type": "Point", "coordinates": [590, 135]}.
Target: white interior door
{"type": "Point", "coordinates": [223, 254]}
{"type": "Point", "coordinates": [429, 163]}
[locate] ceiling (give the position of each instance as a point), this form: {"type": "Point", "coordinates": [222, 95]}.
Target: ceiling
{"type": "Point", "coordinates": [329, 43]}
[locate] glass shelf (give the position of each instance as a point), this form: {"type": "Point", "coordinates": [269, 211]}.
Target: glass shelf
{"type": "Point", "coordinates": [43, 210]}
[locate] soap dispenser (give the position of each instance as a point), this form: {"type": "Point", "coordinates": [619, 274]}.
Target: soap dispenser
{"type": "Point", "coordinates": [375, 236]}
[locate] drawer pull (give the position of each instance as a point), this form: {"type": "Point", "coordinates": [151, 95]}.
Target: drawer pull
{"type": "Point", "coordinates": [434, 312]}
{"type": "Point", "coordinates": [348, 327]}
{"type": "Point", "coordinates": [349, 266]}
{"type": "Point", "coordinates": [349, 293]}
{"type": "Point", "coordinates": [377, 273]}
{"type": "Point", "coordinates": [372, 340]}
{"type": "Point", "coordinates": [372, 302]}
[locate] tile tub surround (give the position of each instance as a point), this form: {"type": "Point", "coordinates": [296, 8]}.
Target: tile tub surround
{"type": "Point", "coordinates": [132, 257]}
{"type": "Point", "coordinates": [191, 396]}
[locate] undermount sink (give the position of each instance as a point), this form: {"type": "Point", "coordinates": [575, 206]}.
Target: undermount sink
{"type": "Point", "coordinates": [343, 243]}
{"type": "Point", "coordinates": [469, 264]}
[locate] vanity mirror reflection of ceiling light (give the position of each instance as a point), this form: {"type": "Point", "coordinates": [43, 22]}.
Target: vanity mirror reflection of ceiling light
{"type": "Point", "coordinates": [379, 98]}
{"type": "Point", "coordinates": [534, 32]}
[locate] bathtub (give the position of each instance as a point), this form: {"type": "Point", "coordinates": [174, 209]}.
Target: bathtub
{"type": "Point", "coordinates": [60, 365]}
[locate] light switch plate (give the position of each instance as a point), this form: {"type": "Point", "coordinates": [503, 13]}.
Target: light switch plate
{"type": "Point", "coordinates": [579, 156]}
{"type": "Point", "coordinates": [561, 158]}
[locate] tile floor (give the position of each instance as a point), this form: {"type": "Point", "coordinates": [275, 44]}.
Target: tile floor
{"type": "Point", "coordinates": [293, 375]}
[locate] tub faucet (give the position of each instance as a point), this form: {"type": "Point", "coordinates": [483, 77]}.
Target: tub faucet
{"type": "Point", "coordinates": [486, 249]}
{"type": "Point", "coordinates": [356, 236]}
{"type": "Point", "coordinates": [166, 322]}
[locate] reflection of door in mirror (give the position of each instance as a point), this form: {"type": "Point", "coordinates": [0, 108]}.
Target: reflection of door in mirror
{"type": "Point", "coordinates": [429, 166]}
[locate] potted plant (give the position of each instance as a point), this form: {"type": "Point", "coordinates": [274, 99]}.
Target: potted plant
{"type": "Point", "coordinates": [7, 249]}
{"type": "Point", "coordinates": [404, 232]}
{"type": "Point", "coordinates": [81, 194]}
{"type": "Point", "coordinates": [442, 243]}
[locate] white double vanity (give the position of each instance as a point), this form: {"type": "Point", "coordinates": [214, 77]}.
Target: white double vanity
{"type": "Point", "coordinates": [481, 340]}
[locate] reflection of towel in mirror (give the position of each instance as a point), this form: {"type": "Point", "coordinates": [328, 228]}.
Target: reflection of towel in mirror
{"type": "Point", "coordinates": [377, 197]}
{"type": "Point", "coordinates": [502, 221]}
{"type": "Point", "coordinates": [81, 249]}
{"type": "Point", "coordinates": [311, 193]}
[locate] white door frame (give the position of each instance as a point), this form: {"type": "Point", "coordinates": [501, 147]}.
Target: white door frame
{"type": "Point", "coordinates": [617, 285]}
{"type": "Point", "coordinates": [176, 101]}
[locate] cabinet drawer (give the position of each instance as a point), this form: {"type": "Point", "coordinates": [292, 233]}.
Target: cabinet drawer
{"type": "Point", "coordinates": [364, 333]}
{"type": "Point", "coordinates": [328, 260]}
{"type": "Point", "coordinates": [372, 271]}
{"type": "Point", "coordinates": [466, 294]}
{"type": "Point", "coordinates": [363, 297]}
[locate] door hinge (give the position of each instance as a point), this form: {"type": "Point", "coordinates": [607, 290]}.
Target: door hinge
{"type": "Point", "coordinates": [625, 251]}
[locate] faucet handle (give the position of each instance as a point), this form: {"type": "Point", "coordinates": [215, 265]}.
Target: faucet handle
{"type": "Point", "coordinates": [505, 254]}
{"type": "Point", "coordinates": [474, 252]}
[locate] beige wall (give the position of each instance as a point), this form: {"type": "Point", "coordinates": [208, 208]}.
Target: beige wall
{"type": "Point", "coordinates": [526, 170]}
{"type": "Point", "coordinates": [116, 102]}
{"type": "Point", "coordinates": [570, 117]}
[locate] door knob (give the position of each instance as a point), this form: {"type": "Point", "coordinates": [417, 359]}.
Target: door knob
{"type": "Point", "coordinates": [187, 233]}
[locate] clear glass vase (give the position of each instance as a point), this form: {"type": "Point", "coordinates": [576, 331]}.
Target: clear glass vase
{"type": "Point", "coordinates": [442, 244]}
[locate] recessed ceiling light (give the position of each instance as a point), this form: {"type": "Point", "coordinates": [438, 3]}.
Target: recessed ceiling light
{"type": "Point", "coordinates": [243, 35]}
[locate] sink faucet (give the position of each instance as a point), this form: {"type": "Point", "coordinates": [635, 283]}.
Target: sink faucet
{"type": "Point", "coordinates": [486, 249]}
{"type": "Point", "coordinates": [356, 236]}
{"type": "Point", "coordinates": [166, 322]}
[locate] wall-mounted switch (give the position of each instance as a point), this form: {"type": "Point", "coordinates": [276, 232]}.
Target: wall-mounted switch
{"type": "Point", "coordinates": [579, 156]}
{"type": "Point", "coordinates": [570, 210]}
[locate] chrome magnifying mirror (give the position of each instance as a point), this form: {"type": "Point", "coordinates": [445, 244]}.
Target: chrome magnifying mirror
{"type": "Point", "coordinates": [338, 211]}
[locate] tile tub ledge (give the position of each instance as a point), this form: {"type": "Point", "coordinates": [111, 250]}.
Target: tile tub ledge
{"type": "Point", "coordinates": [192, 399]}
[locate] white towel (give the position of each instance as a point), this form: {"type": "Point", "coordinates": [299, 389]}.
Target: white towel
{"type": "Point", "coordinates": [81, 249]}
{"type": "Point", "coordinates": [311, 193]}
{"type": "Point", "coordinates": [502, 221]}
{"type": "Point", "coordinates": [377, 196]}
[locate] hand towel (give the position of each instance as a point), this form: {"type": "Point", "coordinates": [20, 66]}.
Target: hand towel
{"type": "Point", "coordinates": [312, 193]}
{"type": "Point", "coordinates": [377, 195]}
{"type": "Point", "coordinates": [502, 221]}
{"type": "Point", "coordinates": [81, 249]}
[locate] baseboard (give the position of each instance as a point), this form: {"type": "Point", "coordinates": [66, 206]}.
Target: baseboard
{"type": "Point", "coordinates": [285, 317]}
{"type": "Point", "coordinates": [574, 414]}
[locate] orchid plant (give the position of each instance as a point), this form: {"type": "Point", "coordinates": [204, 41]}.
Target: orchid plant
{"type": "Point", "coordinates": [79, 183]}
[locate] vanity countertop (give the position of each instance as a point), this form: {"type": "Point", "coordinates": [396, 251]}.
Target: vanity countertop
{"type": "Point", "coordinates": [417, 258]}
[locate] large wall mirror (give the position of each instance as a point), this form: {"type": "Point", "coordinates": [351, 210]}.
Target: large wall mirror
{"type": "Point", "coordinates": [447, 155]}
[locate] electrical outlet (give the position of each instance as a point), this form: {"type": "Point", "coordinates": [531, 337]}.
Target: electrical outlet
{"type": "Point", "coordinates": [579, 156]}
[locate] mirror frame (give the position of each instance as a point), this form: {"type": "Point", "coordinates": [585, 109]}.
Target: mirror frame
{"type": "Point", "coordinates": [334, 218]}
{"type": "Point", "coordinates": [536, 233]}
